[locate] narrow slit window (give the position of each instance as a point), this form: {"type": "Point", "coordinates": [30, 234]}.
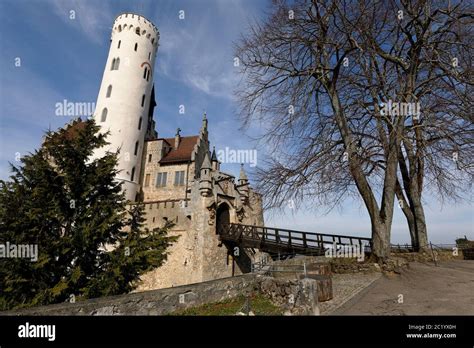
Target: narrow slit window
{"type": "Point", "coordinates": [103, 117]}
{"type": "Point", "coordinates": [120, 41]}
{"type": "Point", "coordinates": [136, 46]}
{"type": "Point", "coordinates": [109, 91]}
{"type": "Point", "coordinates": [136, 148]}
{"type": "Point", "coordinates": [132, 176]}
{"type": "Point", "coordinates": [140, 123]}
{"type": "Point", "coordinates": [143, 100]}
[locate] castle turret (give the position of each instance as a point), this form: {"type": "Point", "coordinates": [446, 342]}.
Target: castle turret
{"type": "Point", "coordinates": [243, 185]}
{"type": "Point", "coordinates": [214, 160]}
{"type": "Point", "coordinates": [205, 184]}
{"type": "Point", "coordinates": [125, 95]}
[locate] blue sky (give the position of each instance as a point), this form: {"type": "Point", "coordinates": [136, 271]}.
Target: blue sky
{"type": "Point", "coordinates": [64, 58]}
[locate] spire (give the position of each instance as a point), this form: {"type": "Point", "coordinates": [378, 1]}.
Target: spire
{"type": "Point", "coordinates": [243, 175]}
{"type": "Point", "coordinates": [244, 186]}
{"type": "Point", "coordinates": [206, 164]}
{"type": "Point", "coordinates": [204, 121]}
{"type": "Point", "coordinates": [213, 156]}
{"type": "Point", "coordinates": [177, 138]}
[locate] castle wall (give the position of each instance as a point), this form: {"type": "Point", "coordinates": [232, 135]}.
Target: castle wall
{"type": "Point", "coordinates": [198, 255]}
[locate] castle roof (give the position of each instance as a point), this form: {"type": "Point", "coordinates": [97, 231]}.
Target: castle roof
{"type": "Point", "coordinates": [183, 152]}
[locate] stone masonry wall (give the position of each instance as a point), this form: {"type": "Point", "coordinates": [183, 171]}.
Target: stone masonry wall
{"type": "Point", "coordinates": [156, 302]}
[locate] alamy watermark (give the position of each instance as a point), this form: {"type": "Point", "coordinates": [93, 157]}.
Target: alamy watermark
{"type": "Point", "coordinates": [229, 155]}
{"type": "Point", "coordinates": [392, 108]}
{"type": "Point", "coordinates": [346, 251]}
{"type": "Point", "coordinates": [23, 251]}
{"type": "Point", "coordinates": [68, 108]}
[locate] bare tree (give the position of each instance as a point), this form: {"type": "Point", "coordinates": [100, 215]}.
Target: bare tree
{"type": "Point", "coordinates": [422, 52]}
{"type": "Point", "coordinates": [315, 75]}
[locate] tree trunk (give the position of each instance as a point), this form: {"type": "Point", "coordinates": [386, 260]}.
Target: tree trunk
{"type": "Point", "coordinates": [406, 208]}
{"type": "Point", "coordinates": [380, 240]}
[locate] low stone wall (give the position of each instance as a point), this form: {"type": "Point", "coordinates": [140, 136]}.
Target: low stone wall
{"type": "Point", "coordinates": [155, 302]}
{"type": "Point", "coordinates": [298, 297]}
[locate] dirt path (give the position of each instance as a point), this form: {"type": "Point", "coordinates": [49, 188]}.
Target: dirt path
{"type": "Point", "coordinates": [426, 290]}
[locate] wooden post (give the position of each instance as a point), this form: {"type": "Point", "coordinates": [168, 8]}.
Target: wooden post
{"type": "Point", "coordinates": [433, 255]}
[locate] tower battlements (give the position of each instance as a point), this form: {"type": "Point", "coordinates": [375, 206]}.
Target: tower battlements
{"type": "Point", "coordinates": [139, 25]}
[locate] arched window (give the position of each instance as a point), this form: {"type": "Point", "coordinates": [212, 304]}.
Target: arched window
{"type": "Point", "coordinates": [119, 29]}
{"type": "Point", "coordinates": [136, 46]}
{"type": "Point", "coordinates": [109, 91]}
{"type": "Point", "coordinates": [120, 41]}
{"type": "Point", "coordinates": [136, 148]}
{"type": "Point", "coordinates": [140, 123]}
{"type": "Point", "coordinates": [143, 100]}
{"type": "Point", "coordinates": [137, 31]}
{"type": "Point", "coordinates": [132, 176]}
{"type": "Point", "coordinates": [144, 73]}
{"type": "Point", "coordinates": [104, 115]}
{"type": "Point", "coordinates": [117, 63]}
{"type": "Point", "coordinates": [143, 32]}
{"type": "Point", "coordinates": [112, 67]}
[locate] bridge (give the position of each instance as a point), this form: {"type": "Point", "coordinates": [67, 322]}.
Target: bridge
{"type": "Point", "coordinates": [278, 240]}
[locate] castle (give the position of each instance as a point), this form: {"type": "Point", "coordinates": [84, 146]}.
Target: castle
{"type": "Point", "coordinates": [177, 178]}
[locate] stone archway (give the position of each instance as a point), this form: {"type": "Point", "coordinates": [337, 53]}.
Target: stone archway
{"type": "Point", "coordinates": [222, 217]}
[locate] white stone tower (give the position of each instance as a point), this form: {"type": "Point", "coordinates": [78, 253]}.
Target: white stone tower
{"type": "Point", "coordinates": [125, 93]}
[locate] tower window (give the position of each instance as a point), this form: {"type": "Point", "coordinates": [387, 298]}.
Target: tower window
{"type": "Point", "coordinates": [149, 55]}
{"type": "Point", "coordinates": [136, 46]}
{"type": "Point", "coordinates": [144, 73]}
{"type": "Point", "coordinates": [143, 100]}
{"type": "Point", "coordinates": [115, 64]}
{"type": "Point", "coordinates": [161, 180]}
{"type": "Point", "coordinates": [140, 123]}
{"type": "Point", "coordinates": [133, 174]}
{"type": "Point", "coordinates": [119, 29]}
{"type": "Point", "coordinates": [136, 148]}
{"type": "Point", "coordinates": [137, 31]}
{"type": "Point", "coordinates": [148, 75]}
{"type": "Point", "coordinates": [179, 178]}
{"type": "Point", "coordinates": [153, 40]}
{"type": "Point", "coordinates": [120, 41]}
{"type": "Point", "coordinates": [109, 91]}
{"type": "Point", "coordinates": [147, 180]}
{"type": "Point", "coordinates": [149, 158]}
{"type": "Point", "coordinates": [104, 115]}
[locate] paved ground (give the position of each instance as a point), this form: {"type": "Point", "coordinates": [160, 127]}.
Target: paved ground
{"type": "Point", "coordinates": [345, 287]}
{"type": "Point", "coordinates": [426, 290]}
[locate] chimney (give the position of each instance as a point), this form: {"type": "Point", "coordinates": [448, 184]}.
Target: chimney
{"type": "Point", "coordinates": [177, 138]}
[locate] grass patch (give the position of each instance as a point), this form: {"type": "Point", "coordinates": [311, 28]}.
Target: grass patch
{"type": "Point", "coordinates": [259, 304]}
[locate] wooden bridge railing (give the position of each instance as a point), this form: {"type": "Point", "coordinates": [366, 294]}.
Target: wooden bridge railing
{"type": "Point", "coordinates": [287, 238]}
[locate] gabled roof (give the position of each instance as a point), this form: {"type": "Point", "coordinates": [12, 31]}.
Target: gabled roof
{"type": "Point", "coordinates": [183, 152]}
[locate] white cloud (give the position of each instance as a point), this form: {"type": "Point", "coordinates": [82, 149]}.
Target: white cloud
{"type": "Point", "coordinates": [91, 16]}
